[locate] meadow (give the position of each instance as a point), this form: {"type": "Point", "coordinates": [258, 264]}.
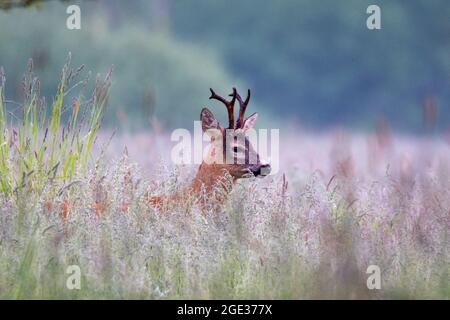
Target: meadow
{"type": "Point", "coordinates": [74, 194]}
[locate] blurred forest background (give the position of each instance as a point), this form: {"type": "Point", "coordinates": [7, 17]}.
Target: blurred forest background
{"type": "Point", "coordinates": [312, 62]}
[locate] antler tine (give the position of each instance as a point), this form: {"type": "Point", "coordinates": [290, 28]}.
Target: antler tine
{"type": "Point", "coordinates": [228, 104]}
{"type": "Point", "coordinates": [242, 107]}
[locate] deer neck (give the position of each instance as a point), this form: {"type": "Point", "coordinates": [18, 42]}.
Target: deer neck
{"type": "Point", "coordinates": [210, 176]}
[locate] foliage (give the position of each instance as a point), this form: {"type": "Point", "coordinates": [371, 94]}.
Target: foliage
{"type": "Point", "coordinates": [9, 4]}
{"type": "Point", "coordinates": [308, 61]}
{"type": "Point", "coordinates": [303, 234]}
{"type": "Point", "coordinates": [157, 76]}
{"type": "Point", "coordinates": [36, 148]}
{"type": "Point", "coordinates": [272, 240]}
{"type": "Point", "coordinates": [318, 61]}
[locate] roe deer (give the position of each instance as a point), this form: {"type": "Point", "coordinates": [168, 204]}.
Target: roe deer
{"type": "Point", "coordinates": [216, 168]}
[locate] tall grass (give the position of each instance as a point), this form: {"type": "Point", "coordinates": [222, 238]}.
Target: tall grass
{"type": "Point", "coordinates": [37, 148]}
{"type": "Point", "coordinates": [309, 233]}
{"type": "Point", "coordinates": [43, 151]}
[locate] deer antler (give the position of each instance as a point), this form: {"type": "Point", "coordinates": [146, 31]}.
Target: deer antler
{"type": "Point", "coordinates": [242, 107]}
{"type": "Point", "coordinates": [228, 104]}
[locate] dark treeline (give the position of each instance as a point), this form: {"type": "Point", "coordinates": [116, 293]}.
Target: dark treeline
{"type": "Point", "coordinates": [314, 62]}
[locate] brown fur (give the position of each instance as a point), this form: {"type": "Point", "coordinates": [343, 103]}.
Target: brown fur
{"type": "Point", "coordinates": [210, 186]}
{"type": "Point", "coordinates": [215, 178]}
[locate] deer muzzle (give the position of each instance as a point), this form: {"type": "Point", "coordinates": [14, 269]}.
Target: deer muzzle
{"type": "Point", "coordinates": [261, 170]}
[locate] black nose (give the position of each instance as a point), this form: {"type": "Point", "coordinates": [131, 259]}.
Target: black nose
{"type": "Point", "coordinates": [262, 170]}
{"type": "Point", "coordinates": [265, 169]}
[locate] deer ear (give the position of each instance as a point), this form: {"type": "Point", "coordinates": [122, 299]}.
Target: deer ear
{"type": "Point", "coordinates": [208, 120]}
{"type": "Point", "coordinates": [249, 122]}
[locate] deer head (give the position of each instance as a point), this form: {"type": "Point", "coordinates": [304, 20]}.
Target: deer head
{"type": "Point", "coordinates": [230, 151]}
{"type": "Point", "coordinates": [230, 148]}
